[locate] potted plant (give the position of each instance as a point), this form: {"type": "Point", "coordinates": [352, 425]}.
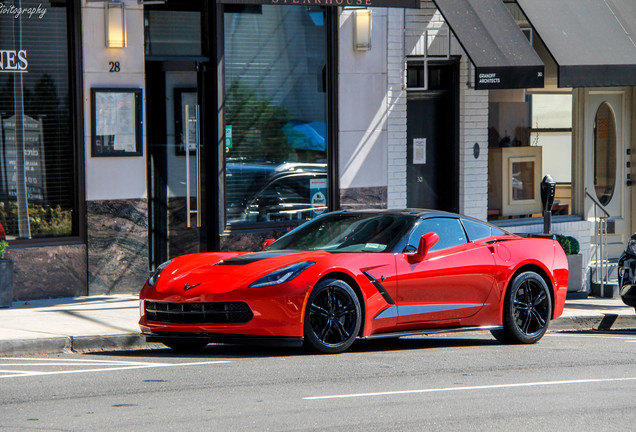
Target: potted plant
{"type": "Point", "coordinates": [6, 276]}
{"type": "Point", "coordinates": [571, 247]}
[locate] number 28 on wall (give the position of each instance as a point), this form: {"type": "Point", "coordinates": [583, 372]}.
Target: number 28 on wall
{"type": "Point", "coordinates": [114, 66]}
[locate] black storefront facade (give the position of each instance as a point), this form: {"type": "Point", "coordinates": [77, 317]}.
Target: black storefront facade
{"type": "Point", "coordinates": [218, 125]}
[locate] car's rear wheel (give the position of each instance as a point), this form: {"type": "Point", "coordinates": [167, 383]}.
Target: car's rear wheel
{"type": "Point", "coordinates": [527, 310]}
{"type": "Point", "coordinates": [332, 317]}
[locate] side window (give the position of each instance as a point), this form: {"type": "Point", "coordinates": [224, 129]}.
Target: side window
{"type": "Point", "coordinates": [476, 230]}
{"type": "Point", "coordinates": [450, 232]}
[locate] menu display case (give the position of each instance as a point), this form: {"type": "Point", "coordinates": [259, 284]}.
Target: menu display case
{"type": "Point", "coordinates": [514, 177]}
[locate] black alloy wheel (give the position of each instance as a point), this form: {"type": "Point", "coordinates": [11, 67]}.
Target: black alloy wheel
{"type": "Point", "coordinates": [332, 317]}
{"type": "Point", "coordinates": [527, 310]}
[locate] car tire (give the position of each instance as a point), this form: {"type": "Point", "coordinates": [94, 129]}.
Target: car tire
{"type": "Point", "coordinates": [185, 345]}
{"type": "Point", "coordinates": [527, 310]}
{"type": "Point", "coordinates": [332, 318]}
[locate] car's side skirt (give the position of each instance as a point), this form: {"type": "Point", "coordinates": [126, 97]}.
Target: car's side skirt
{"type": "Point", "coordinates": [430, 331]}
{"type": "Point", "coordinates": [406, 310]}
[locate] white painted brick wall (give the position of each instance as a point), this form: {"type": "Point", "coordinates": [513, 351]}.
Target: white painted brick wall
{"type": "Point", "coordinates": [473, 109]}
{"type": "Point", "coordinates": [396, 106]}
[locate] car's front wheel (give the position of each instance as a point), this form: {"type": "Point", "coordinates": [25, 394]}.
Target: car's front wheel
{"type": "Point", "coordinates": [527, 310]}
{"type": "Point", "coordinates": [332, 317]}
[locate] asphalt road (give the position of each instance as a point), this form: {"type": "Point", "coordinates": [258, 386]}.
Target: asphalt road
{"type": "Point", "coordinates": [455, 382]}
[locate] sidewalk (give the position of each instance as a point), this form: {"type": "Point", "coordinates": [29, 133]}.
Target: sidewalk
{"type": "Point", "coordinates": [105, 323]}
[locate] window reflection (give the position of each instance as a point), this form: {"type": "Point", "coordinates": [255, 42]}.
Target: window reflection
{"type": "Point", "coordinates": [275, 113]}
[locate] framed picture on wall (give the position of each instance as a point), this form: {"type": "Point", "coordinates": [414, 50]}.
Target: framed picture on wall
{"type": "Point", "coordinates": [116, 122]}
{"type": "Point", "coordinates": [185, 119]}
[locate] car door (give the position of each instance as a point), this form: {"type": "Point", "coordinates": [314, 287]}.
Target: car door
{"type": "Point", "coordinates": [452, 282]}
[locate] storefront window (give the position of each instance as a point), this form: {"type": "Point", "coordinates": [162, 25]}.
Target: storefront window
{"type": "Point", "coordinates": [275, 113]}
{"type": "Point", "coordinates": [36, 146]}
{"type": "Point", "coordinates": [530, 135]}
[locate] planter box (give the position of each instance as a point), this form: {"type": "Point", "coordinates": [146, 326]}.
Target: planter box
{"type": "Point", "coordinates": [6, 282]}
{"type": "Point", "coordinates": [575, 278]}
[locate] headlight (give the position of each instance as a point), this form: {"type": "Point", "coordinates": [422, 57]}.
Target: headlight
{"type": "Point", "coordinates": [152, 280]}
{"type": "Point", "coordinates": [282, 275]}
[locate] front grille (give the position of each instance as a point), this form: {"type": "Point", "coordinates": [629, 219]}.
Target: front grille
{"type": "Point", "coordinates": [198, 313]}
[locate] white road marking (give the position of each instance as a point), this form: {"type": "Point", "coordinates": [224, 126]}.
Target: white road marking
{"type": "Point", "coordinates": [116, 366]}
{"type": "Point", "coordinates": [470, 388]}
{"type": "Point", "coordinates": [594, 336]}
{"type": "Point", "coordinates": [71, 360]}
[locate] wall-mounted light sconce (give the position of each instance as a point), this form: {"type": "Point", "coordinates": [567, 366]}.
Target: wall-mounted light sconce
{"type": "Point", "coordinates": [115, 23]}
{"type": "Point", "coordinates": [362, 29]}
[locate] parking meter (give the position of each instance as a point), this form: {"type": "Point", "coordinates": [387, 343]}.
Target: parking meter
{"type": "Point", "coordinates": [548, 188]}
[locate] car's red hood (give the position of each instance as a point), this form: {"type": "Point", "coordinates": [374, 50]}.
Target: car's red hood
{"type": "Point", "coordinates": [223, 272]}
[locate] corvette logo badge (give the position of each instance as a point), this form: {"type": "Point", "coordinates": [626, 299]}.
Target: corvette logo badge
{"type": "Point", "coordinates": [188, 287]}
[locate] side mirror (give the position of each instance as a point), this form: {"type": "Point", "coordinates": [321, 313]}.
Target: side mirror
{"type": "Point", "coordinates": [427, 241]}
{"type": "Point", "coordinates": [268, 242]}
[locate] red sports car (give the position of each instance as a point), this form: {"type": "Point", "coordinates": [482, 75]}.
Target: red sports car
{"type": "Point", "coordinates": [371, 274]}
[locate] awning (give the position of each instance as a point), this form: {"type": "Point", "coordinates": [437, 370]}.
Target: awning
{"type": "Point", "coordinates": [501, 53]}
{"type": "Point", "coordinates": [592, 41]}
{"type": "Point", "coordinates": [351, 3]}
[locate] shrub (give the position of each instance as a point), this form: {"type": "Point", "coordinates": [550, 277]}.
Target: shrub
{"type": "Point", "coordinates": [575, 247]}
{"type": "Point", "coordinates": [564, 241]}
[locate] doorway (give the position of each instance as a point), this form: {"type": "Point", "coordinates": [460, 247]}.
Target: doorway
{"type": "Point", "coordinates": [181, 100]}
{"type": "Point", "coordinates": [432, 137]}
{"type": "Point", "coordinates": [607, 150]}
{"type": "Point", "coordinates": [175, 168]}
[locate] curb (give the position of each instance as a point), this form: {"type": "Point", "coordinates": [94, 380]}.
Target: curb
{"type": "Point", "coordinates": [74, 344]}
{"type": "Point", "coordinates": [606, 322]}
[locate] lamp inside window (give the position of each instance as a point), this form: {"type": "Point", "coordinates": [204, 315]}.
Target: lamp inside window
{"type": "Point", "coordinates": [115, 24]}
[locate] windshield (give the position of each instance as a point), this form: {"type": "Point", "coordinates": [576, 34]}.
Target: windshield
{"type": "Point", "coordinates": [347, 232]}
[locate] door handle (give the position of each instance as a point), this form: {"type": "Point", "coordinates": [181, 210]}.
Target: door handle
{"type": "Point", "coordinates": [187, 121]}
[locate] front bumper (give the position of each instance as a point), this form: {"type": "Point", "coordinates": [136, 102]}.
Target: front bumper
{"type": "Point", "coordinates": [269, 315]}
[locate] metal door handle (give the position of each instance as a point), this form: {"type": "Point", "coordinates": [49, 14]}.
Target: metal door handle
{"type": "Point", "coordinates": [186, 124]}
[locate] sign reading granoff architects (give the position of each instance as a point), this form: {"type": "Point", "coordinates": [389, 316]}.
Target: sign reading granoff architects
{"type": "Point", "coordinates": [415, 4]}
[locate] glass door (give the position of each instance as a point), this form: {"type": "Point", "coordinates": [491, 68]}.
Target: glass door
{"type": "Point", "coordinates": [174, 138]}
{"type": "Point", "coordinates": [178, 36]}
{"type": "Point", "coordinates": [607, 150]}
